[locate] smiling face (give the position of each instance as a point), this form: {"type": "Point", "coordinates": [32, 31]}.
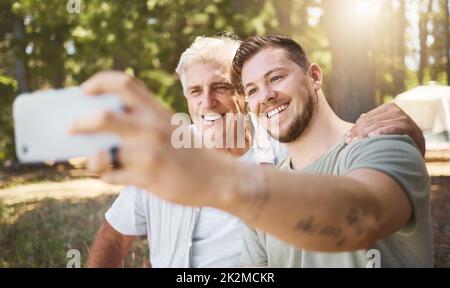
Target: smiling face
{"type": "Point", "coordinates": [280, 91]}
{"type": "Point", "coordinates": [209, 93]}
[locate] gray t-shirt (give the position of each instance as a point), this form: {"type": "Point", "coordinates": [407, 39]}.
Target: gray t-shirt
{"type": "Point", "coordinates": [411, 246]}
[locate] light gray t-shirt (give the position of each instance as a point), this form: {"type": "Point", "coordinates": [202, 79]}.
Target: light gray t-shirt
{"type": "Point", "coordinates": [216, 233]}
{"type": "Point", "coordinates": [412, 246]}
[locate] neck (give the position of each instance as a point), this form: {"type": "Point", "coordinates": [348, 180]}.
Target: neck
{"type": "Point", "coordinates": [324, 130]}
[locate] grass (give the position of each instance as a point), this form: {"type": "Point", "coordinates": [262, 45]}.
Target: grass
{"type": "Point", "coordinates": [39, 233]}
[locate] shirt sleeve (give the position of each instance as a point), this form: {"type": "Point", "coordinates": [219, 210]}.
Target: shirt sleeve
{"type": "Point", "coordinates": [253, 252]}
{"type": "Point", "coordinates": [399, 158]}
{"type": "Point", "coordinates": [127, 214]}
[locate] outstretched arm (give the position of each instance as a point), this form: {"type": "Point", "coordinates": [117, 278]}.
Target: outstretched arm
{"type": "Point", "coordinates": [316, 212]}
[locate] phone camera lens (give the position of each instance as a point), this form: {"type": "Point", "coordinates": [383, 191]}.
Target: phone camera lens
{"type": "Point", "coordinates": [24, 149]}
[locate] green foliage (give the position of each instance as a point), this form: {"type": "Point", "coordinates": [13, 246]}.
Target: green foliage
{"type": "Point", "coordinates": [42, 45]}
{"type": "Point", "coordinates": [56, 48]}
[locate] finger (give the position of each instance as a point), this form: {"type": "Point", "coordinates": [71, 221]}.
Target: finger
{"type": "Point", "coordinates": [384, 112]}
{"type": "Point", "coordinates": [385, 130]}
{"type": "Point", "coordinates": [106, 121]}
{"type": "Point", "coordinates": [99, 163]}
{"type": "Point", "coordinates": [103, 162]}
{"type": "Point", "coordinates": [400, 125]}
{"type": "Point", "coordinates": [387, 127]}
{"type": "Point", "coordinates": [356, 129]}
{"type": "Point", "coordinates": [123, 177]}
{"type": "Point", "coordinates": [363, 132]}
{"type": "Point", "coordinates": [133, 93]}
{"type": "Point", "coordinates": [360, 126]}
{"type": "Point", "coordinates": [360, 121]}
{"type": "Point", "coordinates": [361, 118]}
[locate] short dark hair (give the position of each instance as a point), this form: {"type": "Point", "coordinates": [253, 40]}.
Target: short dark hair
{"type": "Point", "coordinates": [253, 45]}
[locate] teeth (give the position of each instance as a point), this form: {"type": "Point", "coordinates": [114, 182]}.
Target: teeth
{"type": "Point", "coordinates": [212, 117]}
{"type": "Point", "coordinates": [276, 111]}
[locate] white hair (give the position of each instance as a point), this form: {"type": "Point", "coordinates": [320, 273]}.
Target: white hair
{"type": "Point", "coordinates": [219, 50]}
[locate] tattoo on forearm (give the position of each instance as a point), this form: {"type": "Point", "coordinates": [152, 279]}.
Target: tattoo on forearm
{"type": "Point", "coordinates": [310, 226]}
{"type": "Point", "coordinates": [355, 215]}
{"type": "Point", "coordinates": [306, 225]}
{"type": "Point", "coordinates": [340, 242]}
{"type": "Point", "coordinates": [359, 231]}
{"type": "Point", "coordinates": [353, 218]}
{"type": "Point", "coordinates": [329, 230]}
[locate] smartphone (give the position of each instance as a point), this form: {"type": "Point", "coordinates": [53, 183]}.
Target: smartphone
{"type": "Point", "coordinates": [42, 120]}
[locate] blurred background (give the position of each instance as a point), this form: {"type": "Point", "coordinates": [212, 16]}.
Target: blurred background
{"type": "Point", "coordinates": [370, 51]}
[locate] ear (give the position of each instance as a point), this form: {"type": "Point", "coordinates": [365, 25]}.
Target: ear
{"type": "Point", "coordinates": [316, 76]}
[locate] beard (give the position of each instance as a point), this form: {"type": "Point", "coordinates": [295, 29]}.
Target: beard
{"type": "Point", "coordinates": [299, 124]}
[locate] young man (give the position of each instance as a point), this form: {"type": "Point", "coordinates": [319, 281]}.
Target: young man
{"type": "Point", "coordinates": [267, 199]}
{"type": "Point", "coordinates": [378, 196]}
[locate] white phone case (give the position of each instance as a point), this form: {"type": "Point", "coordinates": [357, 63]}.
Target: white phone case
{"type": "Point", "coordinates": [42, 121]}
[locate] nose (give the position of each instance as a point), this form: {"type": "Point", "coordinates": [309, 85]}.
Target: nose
{"type": "Point", "coordinates": [267, 95]}
{"type": "Point", "coordinates": [208, 99]}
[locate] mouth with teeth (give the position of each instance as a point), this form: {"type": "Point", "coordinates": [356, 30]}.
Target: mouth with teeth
{"type": "Point", "coordinates": [212, 118]}
{"type": "Point", "coordinates": [276, 110]}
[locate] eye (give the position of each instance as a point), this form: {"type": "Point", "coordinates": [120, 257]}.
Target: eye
{"type": "Point", "coordinates": [221, 89]}
{"type": "Point", "coordinates": [251, 92]}
{"type": "Point", "coordinates": [275, 78]}
{"type": "Point", "coordinates": [195, 92]}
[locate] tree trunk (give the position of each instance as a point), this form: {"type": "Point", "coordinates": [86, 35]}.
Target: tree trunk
{"type": "Point", "coordinates": [447, 38]}
{"type": "Point", "coordinates": [59, 75]}
{"type": "Point", "coordinates": [352, 83]}
{"type": "Point", "coordinates": [423, 33]}
{"type": "Point", "coordinates": [283, 10]}
{"type": "Point", "coordinates": [20, 65]}
{"type": "Point", "coordinates": [399, 49]}
{"type": "Point", "coordinates": [286, 12]}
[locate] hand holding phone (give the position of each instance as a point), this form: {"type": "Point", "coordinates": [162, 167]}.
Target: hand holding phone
{"type": "Point", "coordinates": [42, 120]}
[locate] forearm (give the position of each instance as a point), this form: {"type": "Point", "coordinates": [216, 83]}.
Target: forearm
{"type": "Point", "coordinates": [313, 212]}
{"type": "Point", "coordinates": [110, 248]}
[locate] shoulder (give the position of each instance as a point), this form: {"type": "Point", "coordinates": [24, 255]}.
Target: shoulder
{"type": "Point", "coordinates": [386, 148]}
{"type": "Point", "coordinates": [383, 141]}
{"type": "Point", "coordinates": [396, 156]}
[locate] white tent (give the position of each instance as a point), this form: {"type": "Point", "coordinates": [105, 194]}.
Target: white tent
{"type": "Point", "coordinates": [428, 106]}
